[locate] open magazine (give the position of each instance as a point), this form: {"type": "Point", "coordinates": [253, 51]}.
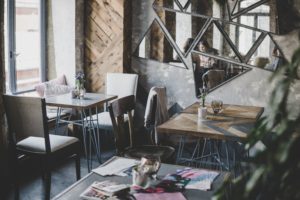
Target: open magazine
{"type": "Point", "coordinates": [200, 179]}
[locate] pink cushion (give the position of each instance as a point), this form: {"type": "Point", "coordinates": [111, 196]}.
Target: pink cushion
{"type": "Point", "coordinates": [40, 88]}
{"type": "Point", "coordinates": [55, 89]}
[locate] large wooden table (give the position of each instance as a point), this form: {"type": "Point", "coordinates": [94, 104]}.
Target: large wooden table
{"type": "Point", "coordinates": [74, 191]}
{"type": "Point", "coordinates": [234, 122]}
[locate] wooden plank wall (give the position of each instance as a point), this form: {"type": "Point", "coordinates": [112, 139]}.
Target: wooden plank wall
{"type": "Point", "coordinates": [103, 41]}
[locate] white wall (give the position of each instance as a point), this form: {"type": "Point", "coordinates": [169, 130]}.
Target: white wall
{"type": "Point", "coordinates": [63, 20]}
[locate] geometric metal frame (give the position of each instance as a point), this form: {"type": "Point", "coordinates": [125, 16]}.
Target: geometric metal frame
{"type": "Point", "coordinates": [217, 21]}
{"type": "Point", "coordinates": [242, 60]}
{"type": "Point", "coordinates": [169, 40]}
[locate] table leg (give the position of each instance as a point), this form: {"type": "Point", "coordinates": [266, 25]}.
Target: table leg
{"type": "Point", "coordinates": [84, 139]}
{"type": "Point", "coordinates": [94, 135]}
{"type": "Point", "coordinates": [57, 120]}
{"type": "Point", "coordinates": [98, 134]}
{"type": "Point", "coordinates": [180, 149]}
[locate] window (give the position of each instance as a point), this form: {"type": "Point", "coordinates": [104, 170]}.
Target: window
{"type": "Point", "coordinates": [25, 44]}
{"type": "Point", "coordinates": [258, 17]}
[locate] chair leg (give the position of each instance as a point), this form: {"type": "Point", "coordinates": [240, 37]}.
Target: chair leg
{"type": "Point", "coordinates": [46, 172]}
{"type": "Point", "coordinates": [47, 184]}
{"type": "Point", "coordinates": [15, 179]}
{"type": "Point", "coordinates": [77, 163]}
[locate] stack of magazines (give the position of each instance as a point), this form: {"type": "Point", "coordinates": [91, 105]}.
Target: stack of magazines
{"type": "Point", "coordinates": [106, 190]}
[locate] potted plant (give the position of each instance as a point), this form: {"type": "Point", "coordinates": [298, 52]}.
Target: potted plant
{"type": "Point", "coordinates": [202, 110]}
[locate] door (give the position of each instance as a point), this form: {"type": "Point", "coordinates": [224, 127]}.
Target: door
{"type": "Point", "coordinates": [26, 42]}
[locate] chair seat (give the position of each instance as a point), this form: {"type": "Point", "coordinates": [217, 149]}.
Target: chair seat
{"type": "Point", "coordinates": [104, 120]}
{"type": "Point", "coordinates": [37, 144]}
{"type": "Point", "coordinates": [52, 112]}
{"type": "Point", "coordinates": [164, 152]}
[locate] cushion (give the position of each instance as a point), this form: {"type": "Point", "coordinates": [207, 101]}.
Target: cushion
{"type": "Point", "coordinates": [104, 120]}
{"type": "Point", "coordinates": [52, 112]}
{"type": "Point", "coordinates": [52, 89]}
{"type": "Point", "coordinates": [40, 88]}
{"type": "Point", "coordinates": [37, 144]}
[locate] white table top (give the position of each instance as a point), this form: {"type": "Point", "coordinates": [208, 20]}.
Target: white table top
{"type": "Point", "coordinates": [90, 100]}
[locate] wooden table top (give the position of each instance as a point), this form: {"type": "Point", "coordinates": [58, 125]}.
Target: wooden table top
{"type": "Point", "coordinates": [237, 111]}
{"type": "Point", "coordinates": [233, 123]}
{"type": "Point", "coordinates": [74, 191]}
{"type": "Point", "coordinates": [90, 100]}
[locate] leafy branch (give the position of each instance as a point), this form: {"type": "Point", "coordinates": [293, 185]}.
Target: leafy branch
{"type": "Point", "coordinates": [277, 168]}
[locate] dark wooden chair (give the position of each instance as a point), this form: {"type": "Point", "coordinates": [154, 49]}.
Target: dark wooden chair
{"type": "Point", "coordinates": [29, 136]}
{"type": "Point", "coordinates": [117, 110]}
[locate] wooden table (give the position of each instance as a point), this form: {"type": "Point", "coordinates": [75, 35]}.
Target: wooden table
{"type": "Point", "coordinates": [74, 191]}
{"type": "Point", "coordinates": [84, 107]}
{"type": "Point", "coordinates": [233, 123]}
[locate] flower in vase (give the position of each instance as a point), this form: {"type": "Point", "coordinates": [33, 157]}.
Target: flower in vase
{"type": "Point", "coordinates": [204, 92]}
{"type": "Point", "coordinates": [80, 80]}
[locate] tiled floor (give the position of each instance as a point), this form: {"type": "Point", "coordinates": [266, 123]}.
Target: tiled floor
{"type": "Point", "coordinates": [63, 175]}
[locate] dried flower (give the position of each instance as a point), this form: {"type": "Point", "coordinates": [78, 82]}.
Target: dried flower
{"type": "Point", "coordinates": [80, 80]}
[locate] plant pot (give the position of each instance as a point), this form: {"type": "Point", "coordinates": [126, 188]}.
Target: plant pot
{"type": "Point", "coordinates": [202, 113]}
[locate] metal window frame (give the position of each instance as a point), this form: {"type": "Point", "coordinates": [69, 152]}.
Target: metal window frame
{"type": "Point", "coordinates": [11, 35]}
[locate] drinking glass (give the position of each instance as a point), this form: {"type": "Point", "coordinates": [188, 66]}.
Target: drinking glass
{"type": "Point", "coordinates": [216, 105]}
{"type": "Point", "coordinates": [150, 165]}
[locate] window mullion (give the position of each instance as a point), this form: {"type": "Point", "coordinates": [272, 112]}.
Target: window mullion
{"type": "Point", "coordinates": [11, 45]}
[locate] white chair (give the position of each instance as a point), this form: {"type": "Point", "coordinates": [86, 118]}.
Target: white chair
{"type": "Point", "coordinates": [119, 84]}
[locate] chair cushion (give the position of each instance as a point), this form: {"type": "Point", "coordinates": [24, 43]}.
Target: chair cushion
{"type": "Point", "coordinates": [52, 112]}
{"type": "Point", "coordinates": [104, 120]}
{"type": "Point", "coordinates": [164, 152]}
{"type": "Point", "coordinates": [37, 144]}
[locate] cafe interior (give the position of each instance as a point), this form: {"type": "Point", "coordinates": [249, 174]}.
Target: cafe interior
{"type": "Point", "coordinates": [149, 99]}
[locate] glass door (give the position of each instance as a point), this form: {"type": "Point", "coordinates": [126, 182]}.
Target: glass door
{"type": "Point", "coordinates": [25, 44]}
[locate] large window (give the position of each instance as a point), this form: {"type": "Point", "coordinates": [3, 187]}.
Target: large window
{"type": "Point", "coordinates": [25, 43]}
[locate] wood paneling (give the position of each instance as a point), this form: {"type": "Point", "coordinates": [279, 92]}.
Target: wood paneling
{"type": "Point", "coordinates": [104, 41]}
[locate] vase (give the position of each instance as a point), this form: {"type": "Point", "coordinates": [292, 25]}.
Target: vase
{"type": "Point", "coordinates": [81, 93]}
{"type": "Point", "coordinates": [202, 113]}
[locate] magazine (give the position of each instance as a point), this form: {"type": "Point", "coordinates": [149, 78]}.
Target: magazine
{"type": "Point", "coordinates": [200, 179]}
{"type": "Point", "coordinates": [104, 190]}
{"type": "Point", "coordinates": [93, 194]}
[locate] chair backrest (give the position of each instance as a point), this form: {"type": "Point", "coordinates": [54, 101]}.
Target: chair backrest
{"type": "Point", "coordinates": [26, 117]}
{"type": "Point", "coordinates": [151, 123]}
{"type": "Point", "coordinates": [121, 84]}
{"type": "Point", "coordinates": [213, 78]}
{"type": "Point", "coordinates": [117, 110]}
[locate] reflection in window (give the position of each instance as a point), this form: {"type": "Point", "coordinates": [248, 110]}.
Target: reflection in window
{"type": "Point", "coordinates": [155, 46]}
{"type": "Point", "coordinates": [258, 17]}
{"type": "Point", "coordinates": [211, 72]}
{"type": "Point", "coordinates": [181, 35]}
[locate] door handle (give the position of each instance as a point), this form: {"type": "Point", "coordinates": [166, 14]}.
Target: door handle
{"type": "Point", "coordinates": [14, 54]}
